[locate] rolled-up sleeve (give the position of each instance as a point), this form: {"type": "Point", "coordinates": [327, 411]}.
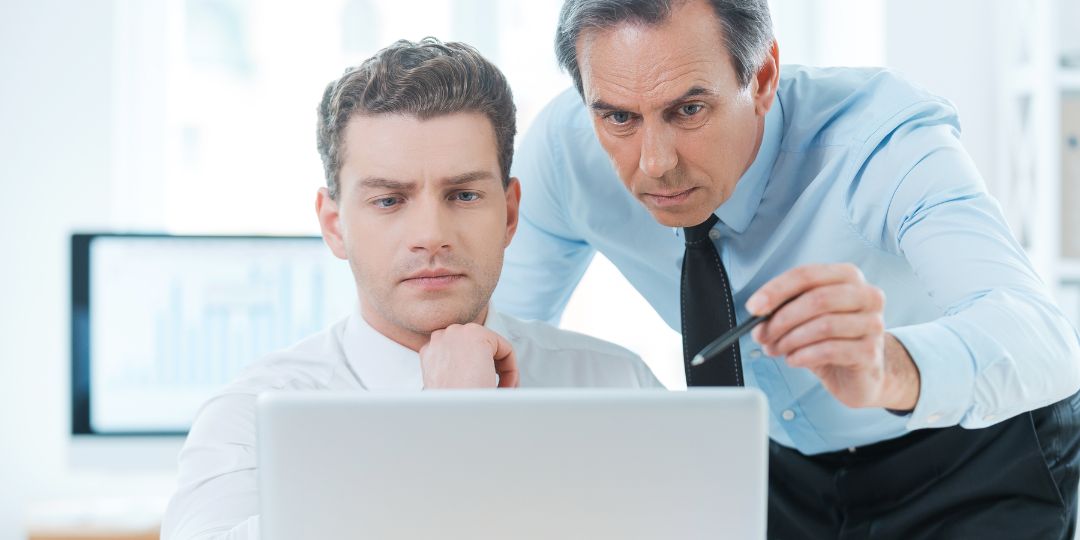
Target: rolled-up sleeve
{"type": "Point", "coordinates": [1001, 346]}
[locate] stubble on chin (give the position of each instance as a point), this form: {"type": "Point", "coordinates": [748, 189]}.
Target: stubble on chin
{"type": "Point", "coordinates": [424, 318]}
{"type": "Point", "coordinates": [393, 302]}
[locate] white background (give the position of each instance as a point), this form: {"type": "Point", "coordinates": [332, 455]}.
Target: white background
{"type": "Point", "coordinates": [82, 148]}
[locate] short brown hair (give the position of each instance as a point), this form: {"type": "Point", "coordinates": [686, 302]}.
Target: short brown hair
{"type": "Point", "coordinates": [425, 80]}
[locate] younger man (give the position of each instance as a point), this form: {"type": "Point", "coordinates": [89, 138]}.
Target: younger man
{"type": "Point", "coordinates": [416, 144]}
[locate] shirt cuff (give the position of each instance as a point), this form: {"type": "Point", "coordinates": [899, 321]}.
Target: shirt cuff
{"type": "Point", "coordinates": [946, 374]}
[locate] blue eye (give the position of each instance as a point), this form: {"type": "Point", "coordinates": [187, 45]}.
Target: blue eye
{"type": "Point", "coordinates": [467, 196]}
{"type": "Point", "coordinates": [619, 117]}
{"type": "Point", "coordinates": [386, 202]}
{"type": "Point", "coordinates": [690, 109]}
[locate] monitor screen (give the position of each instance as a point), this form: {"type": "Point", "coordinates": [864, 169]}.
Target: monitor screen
{"type": "Point", "coordinates": [160, 323]}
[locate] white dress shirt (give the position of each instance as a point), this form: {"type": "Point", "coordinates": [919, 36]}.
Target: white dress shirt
{"type": "Point", "coordinates": [217, 496]}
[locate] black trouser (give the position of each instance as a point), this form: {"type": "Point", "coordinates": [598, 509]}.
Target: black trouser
{"type": "Point", "coordinates": [1013, 480]}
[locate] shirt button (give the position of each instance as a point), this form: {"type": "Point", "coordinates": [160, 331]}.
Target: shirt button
{"type": "Point", "coordinates": [933, 418]}
{"type": "Point", "coordinates": [788, 415]}
{"type": "Point", "coordinates": [756, 353]}
{"type": "Point", "coordinates": [714, 234]}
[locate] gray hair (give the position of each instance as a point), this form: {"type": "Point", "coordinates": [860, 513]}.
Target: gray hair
{"type": "Point", "coordinates": [747, 27]}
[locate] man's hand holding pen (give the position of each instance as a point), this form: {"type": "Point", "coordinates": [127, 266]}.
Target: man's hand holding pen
{"type": "Point", "coordinates": [834, 326]}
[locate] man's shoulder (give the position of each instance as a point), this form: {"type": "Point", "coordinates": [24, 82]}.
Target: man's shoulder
{"type": "Point", "coordinates": [551, 356]}
{"type": "Point", "coordinates": [310, 364]}
{"type": "Point", "coordinates": [566, 108]}
{"type": "Point", "coordinates": [851, 106]}
{"type": "Point", "coordinates": [547, 336]}
{"type": "Point", "coordinates": [564, 122]}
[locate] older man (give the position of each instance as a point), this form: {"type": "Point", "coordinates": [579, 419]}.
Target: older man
{"type": "Point", "coordinates": [416, 144]}
{"type": "Point", "coordinates": [918, 373]}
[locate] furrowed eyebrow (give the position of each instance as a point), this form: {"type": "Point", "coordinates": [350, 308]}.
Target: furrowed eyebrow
{"type": "Point", "coordinates": [376, 182]}
{"type": "Point", "coordinates": [694, 91]}
{"type": "Point", "coordinates": [465, 178]}
{"type": "Point", "coordinates": [601, 106]}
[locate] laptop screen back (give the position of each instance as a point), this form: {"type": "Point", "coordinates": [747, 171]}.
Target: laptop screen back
{"type": "Point", "coordinates": [523, 464]}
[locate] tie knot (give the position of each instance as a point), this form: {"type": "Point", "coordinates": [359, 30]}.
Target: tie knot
{"type": "Point", "coordinates": [698, 233]}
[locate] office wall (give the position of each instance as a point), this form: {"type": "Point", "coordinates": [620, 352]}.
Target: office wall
{"type": "Point", "coordinates": [950, 48]}
{"type": "Point", "coordinates": [54, 175]}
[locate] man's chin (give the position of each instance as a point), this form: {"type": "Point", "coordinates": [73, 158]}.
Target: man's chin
{"type": "Point", "coordinates": [687, 217]}
{"type": "Point", "coordinates": [428, 317]}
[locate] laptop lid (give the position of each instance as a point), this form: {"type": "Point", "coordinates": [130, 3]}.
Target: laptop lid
{"type": "Point", "coordinates": [543, 464]}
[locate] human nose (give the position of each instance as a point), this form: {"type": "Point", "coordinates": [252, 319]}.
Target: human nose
{"type": "Point", "coordinates": [429, 227]}
{"type": "Point", "coordinates": [658, 154]}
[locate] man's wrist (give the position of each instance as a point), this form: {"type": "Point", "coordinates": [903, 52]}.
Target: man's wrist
{"type": "Point", "coordinates": [902, 378]}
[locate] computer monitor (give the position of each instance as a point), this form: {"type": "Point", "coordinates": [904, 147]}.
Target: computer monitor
{"type": "Point", "coordinates": [161, 322]}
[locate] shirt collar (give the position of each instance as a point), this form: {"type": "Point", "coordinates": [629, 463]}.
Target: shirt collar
{"type": "Point", "coordinates": [496, 323]}
{"type": "Point", "coordinates": [384, 364]}
{"type": "Point", "coordinates": [739, 210]}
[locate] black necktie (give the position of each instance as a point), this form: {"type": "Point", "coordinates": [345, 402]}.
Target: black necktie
{"type": "Point", "coordinates": [707, 310]}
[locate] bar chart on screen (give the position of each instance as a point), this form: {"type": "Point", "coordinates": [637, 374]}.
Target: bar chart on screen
{"type": "Point", "coordinates": [174, 319]}
{"type": "Point", "coordinates": [210, 327]}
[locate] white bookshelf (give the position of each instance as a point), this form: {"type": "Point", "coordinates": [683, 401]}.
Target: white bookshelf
{"type": "Point", "coordinates": [1069, 78]}
{"type": "Point", "coordinates": [1033, 85]}
{"type": "Point", "coordinates": [1069, 271]}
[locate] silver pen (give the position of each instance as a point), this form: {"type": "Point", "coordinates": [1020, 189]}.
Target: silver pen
{"type": "Point", "coordinates": [718, 345]}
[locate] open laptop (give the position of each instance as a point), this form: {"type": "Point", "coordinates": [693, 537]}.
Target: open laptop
{"type": "Point", "coordinates": [526, 464]}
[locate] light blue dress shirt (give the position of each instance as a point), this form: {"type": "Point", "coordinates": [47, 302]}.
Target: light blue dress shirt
{"type": "Point", "coordinates": [856, 165]}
